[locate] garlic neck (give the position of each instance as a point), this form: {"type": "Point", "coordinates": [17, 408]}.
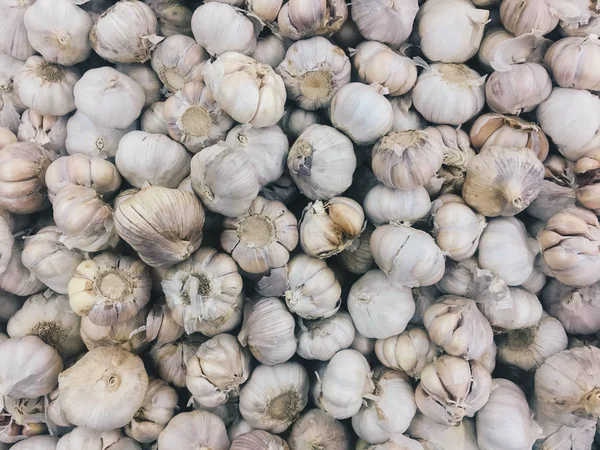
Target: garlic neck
{"type": "Point", "coordinates": [513, 194]}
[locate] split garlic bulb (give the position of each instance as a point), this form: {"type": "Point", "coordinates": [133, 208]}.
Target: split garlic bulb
{"type": "Point", "coordinates": [178, 60]}
{"type": "Point", "coordinates": [315, 428]}
{"type": "Point", "coordinates": [313, 71]}
{"type": "Point", "coordinates": [123, 335]}
{"type": "Point", "coordinates": [390, 22]}
{"type": "Point", "coordinates": [321, 162]}
{"type": "Point", "coordinates": [409, 351]}
{"type": "Point", "coordinates": [170, 360]}
{"type": "Point", "coordinates": [513, 309]}
{"type": "Point", "coordinates": [59, 30]}
{"type": "Point", "coordinates": [456, 325]}
{"type": "Point", "coordinates": [161, 328]}
{"type": "Point", "coordinates": [299, 19]}
{"type": "Point", "coordinates": [361, 112]}
{"type": "Point", "coordinates": [258, 440]}
{"type": "Point", "coordinates": [585, 173]}
{"type": "Point", "coordinates": [268, 331]}
{"type": "Point", "coordinates": [262, 238]}
{"type": "Point", "coordinates": [233, 76]}
{"type": "Point", "coordinates": [321, 339]}
{"type": "Point", "coordinates": [47, 131]}
{"type": "Point", "coordinates": [409, 257]}
{"type": "Point", "coordinates": [47, 88]}
{"type": "Point", "coordinates": [109, 98]}
{"type": "Point", "coordinates": [204, 292]}
{"type": "Point", "coordinates": [146, 220]}
{"type": "Point", "coordinates": [357, 258]}
{"type": "Point", "coordinates": [571, 61]}
{"type": "Point", "coordinates": [440, 88]}
{"type": "Point", "coordinates": [125, 33]}
{"type": "Point", "coordinates": [578, 309]}
{"type": "Point", "coordinates": [271, 49]}
{"type": "Point", "coordinates": [520, 17]}
{"type": "Point", "coordinates": [405, 116]}
{"type": "Point", "coordinates": [14, 40]}
{"type": "Point", "coordinates": [274, 396]}
{"type": "Point", "coordinates": [500, 50]}
{"type": "Point", "coordinates": [189, 430]}
{"type": "Point", "coordinates": [84, 137]}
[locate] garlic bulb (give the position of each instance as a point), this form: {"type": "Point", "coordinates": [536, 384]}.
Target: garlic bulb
{"type": "Point", "coordinates": [23, 419]}
{"type": "Point", "coordinates": [271, 49]}
{"type": "Point", "coordinates": [385, 21]}
{"type": "Point", "coordinates": [519, 89]}
{"type": "Point", "coordinates": [178, 60]}
{"type": "Point", "coordinates": [506, 249]}
{"type": "Point", "coordinates": [441, 87]}
{"type": "Point", "coordinates": [174, 17]}
{"type": "Point", "coordinates": [383, 205]}
{"type": "Point", "coordinates": [125, 33]}
{"type": "Point", "coordinates": [506, 421]}
{"type": "Point", "coordinates": [233, 76]}
{"type": "Point", "coordinates": [398, 442]}
{"type": "Point", "coordinates": [48, 317]}
{"type": "Point", "coordinates": [321, 162]}
{"type": "Point", "coordinates": [313, 291]}
{"type": "Point", "coordinates": [146, 220]}
{"type": "Point", "coordinates": [571, 117]}
{"type": "Point", "coordinates": [109, 98]}
{"type": "Point", "coordinates": [194, 118]}
{"type": "Point", "coordinates": [37, 443]}
{"type": "Point", "coordinates": [585, 173]}
{"type": "Point", "coordinates": [581, 30]}
{"type": "Point", "coordinates": [29, 368]}
{"type": "Point", "coordinates": [405, 116]}
{"type": "Point", "coordinates": [258, 440]}
{"type": "Point", "coordinates": [419, 262]}
{"type": "Point", "coordinates": [346, 380]}
{"type": "Point", "coordinates": [265, 10]}
{"type": "Point", "coordinates": [578, 309]}
{"type": "Point", "coordinates": [9, 305]}
{"type": "Point", "coordinates": [528, 348]}
{"type": "Point", "coordinates": [456, 325]}
{"type": "Point", "coordinates": [204, 292]}
{"type": "Point", "coordinates": [153, 120]}
{"type": "Point", "coordinates": [500, 50]}
{"type": "Point", "coordinates": [47, 88]}
{"type": "Point", "coordinates": [361, 112]}
{"type": "Point", "coordinates": [296, 120]}
{"type": "Point", "coordinates": [15, 278]}
{"type": "Point", "coordinates": [7, 137]}
{"type": "Point", "coordinates": [315, 428]}
{"type": "Point", "coordinates": [161, 328]}
{"type": "Point", "coordinates": [573, 13]}
{"type": "Point", "coordinates": [409, 351]}
{"type": "Point", "coordinates": [11, 105]}
{"type": "Point", "coordinates": [357, 258]}
{"type": "Point", "coordinates": [87, 438]}
{"type": "Point", "coordinates": [22, 171]}
{"type": "Point", "coordinates": [274, 396]}
{"type": "Point", "coordinates": [124, 335]}
{"type": "Point", "coordinates": [47, 131]}
{"type": "Point", "coordinates": [192, 430]}
{"type": "Point", "coordinates": [14, 40]}
{"type": "Point", "coordinates": [83, 136]}
{"type": "Point", "coordinates": [512, 310]}
{"type": "Point", "coordinates": [313, 71]}
{"type": "Point", "coordinates": [299, 19]}
{"type": "Point", "coordinates": [262, 238]}
{"type": "Point", "coordinates": [321, 339]}
{"type": "Point", "coordinates": [520, 17]}
{"type": "Point", "coordinates": [571, 61]}
{"type": "Point", "coordinates": [145, 77]}
{"type": "Point", "coordinates": [569, 244]}
{"type": "Point", "coordinates": [435, 436]}
{"type": "Point", "coordinates": [59, 30]}
{"type": "Point", "coordinates": [170, 360]}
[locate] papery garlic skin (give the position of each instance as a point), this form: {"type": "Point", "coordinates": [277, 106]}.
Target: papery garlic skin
{"type": "Point", "coordinates": [188, 431]}
{"type": "Point", "coordinates": [436, 436]}
{"type": "Point", "coordinates": [153, 120]}
{"type": "Point", "coordinates": [571, 61]}
{"type": "Point", "coordinates": [383, 204]}
{"type": "Point", "coordinates": [82, 437]}
{"type": "Point", "coordinates": [526, 17]}
{"type": "Point", "coordinates": [357, 258]}
{"type": "Point", "coordinates": [410, 351]}
{"type": "Point", "coordinates": [170, 360]}
{"type": "Point", "coordinates": [14, 41]}
{"type": "Point", "coordinates": [578, 309]}
{"type": "Point", "coordinates": [314, 428]}
{"type": "Point", "coordinates": [145, 77]}
{"type": "Point", "coordinates": [124, 335]}
{"type": "Point", "coordinates": [11, 105]}
{"type": "Point", "coordinates": [84, 137]}
{"type": "Point", "coordinates": [178, 60]}
{"type": "Point", "coordinates": [298, 19]}
{"type": "Point", "coordinates": [47, 131]}
{"type": "Point", "coordinates": [385, 21]}
{"type": "Point", "coordinates": [457, 230]}
{"type": "Point", "coordinates": [270, 49]}
{"type": "Point", "coordinates": [174, 18]}
{"type": "Point", "coordinates": [258, 440]}
{"type": "Point", "coordinates": [405, 116]}
{"type": "Point", "coordinates": [321, 339]}
{"type": "Point", "coordinates": [500, 50]}
{"type": "Point", "coordinates": [516, 310]}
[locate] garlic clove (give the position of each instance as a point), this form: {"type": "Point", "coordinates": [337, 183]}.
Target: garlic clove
{"type": "Point", "coordinates": [298, 19]}
{"type": "Point", "coordinates": [47, 131]}
{"type": "Point", "coordinates": [178, 60]}
{"type": "Point", "coordinates": [526, 17]}
{"type": "Point", "coordinates": [390, 22]}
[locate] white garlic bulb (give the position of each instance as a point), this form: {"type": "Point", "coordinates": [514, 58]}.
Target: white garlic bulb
{"type": "Point", "coordinates": [571, 61]}
{"type": "Point", "coordinates": [109, 98]}
{"type": "Point", "coordinates": [161, 328]}
{"type": "Point", "coordinates": [14, 40]}
{"type": "Point", "coordinates": [274, 396]}
{"type": "Point", "coordinates": [266, 10]}
{"type": "Point", "coordinates": [513, 309]}
{"type": "Point", "coordinates": [84, 137]}
{"type": "Point", "coordinates": [433, 435]}
{"type": "Point", "coordinates": [145, 77]}
{"type": "Point", "coordinates": [47, 131]}
{"type": "Point", "coordinates": [271, 49]}
{"type": "Point", "coordinates": [321, 339]}
{"type": "Point", "coordinates": [86, 438]}
{"type": "Point", "coordinates": [124, 335]}
{"type": "Point", "coordinates": [390, 22]}
{"type": "Point", "coordinates": [315, 428]}
{"type": "Point", "coordinates": [170, 360]}
{"type": "Point", "coordinates": [410, 351]}
{"type": "Point", "coordinates": [153, 119]}
{"type": "Point", "coordinates": [15, 278]}
{"type": "Point", "coordinates": [520, 17]}
{"type": "Point", "coordinates": [576, 308]}
{"type": "Point", "coordinates": [357, 258]}
{"type": "Point", "coordinates": [37, 443]}
{"type": "Point", "coordinates": [321, 162]}
{"type": "Point", "coordinates": [174, 17]}
{"type": "Point", "coordinates": [7, 137]}
{"type": "Point", "coordinates": [383, 204]}
{"type": "Point", "coordinates": [189, 430]}
{"type": "Point", "coordinates": [500, 50]}
{"type": "Point", "coordinates": [258, 440]}
{"type": "Point", "coordinates": [298, 19]}
{"type": "Point", "coordinates": [405, 116]}
{"type": "Point", "coordinates": [178, 60]}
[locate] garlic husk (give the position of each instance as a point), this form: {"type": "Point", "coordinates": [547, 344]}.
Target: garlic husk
{"type": "Point", "coordinates": [274, 396]}
{"type": "Point", "coordinates": [405, 116]}
{"type": "Point", "coordinates": [441, 87]}
{"type": "Point", "coordinates": [109, 98]}
{"type": "Point", "coordinates": [299, 19]}
{"type": "Point", "coordinates": [192, 430]}
{"type": "Point", "coordinates": [500, 50]}
{"type": "Point", "coordinates": [170, 360]}
{"type": "Point", "coordinates": [516, 309]}
{"type": "Point", "coordinates": [321, 162]}
{"type": "Point", "coordinates": [84, 137]}
{"type": "Point", "coordinates": [435, 436]}
{"type": "Point", "coordinates": [14, 40]}
{"type": "Point", "coordinates": [409, 257]}
{"type": "Point", "coordinates": [357, 258]}
{"type": "Point", "coordinates": [174, 17]}
{"type": "Point", "coordinates": [146, 219]}
{"type": "Point", "coordinates": [86, 438]}
{"type": "Point", "coordinates": [576, 308]}
{"type": "Point", "coordinates": [270, 49]}
{"type": "Point", "coordinates": [558, 437]}
{"type": "Point", "coordinates": [321, 339]}
{"type": "Point", "coordinates": [458, 153]}
{"type": "Point", "coordinates": [194, 118]}
{"type": "Point", "coordinates": [204, 292]}
{"type": "Point", "coordinates": [22, 419]}
{"type": "Point", "coordinates": [459, 277]}
{"type": "Point", "coordinates": [528, 348]}
{"type": "Point", "coordinates": [145, 77]}
{"type": "Point", "coordinates": [456, 325]}
{"type": "Point", "coordinates": [47, 131]}
{"type": "Point", "coordinates": [582, 30]}
{"type": "Point", "coordinates": [527, 17]}
{"type": "Point", "coordinates": [161, 328]}
{"type": "Point", "coordinates": [361, 112]}
{"type": "Point", "coordinates": [390, 22]}
{"type": "Point", "coordinates": [152, 120]}
{"type": "Point", "coordinates": [586, 170]}
{"type": "Point", "coordinates": [178, 60]}
{"type": "Point", "coordinates": [15, 278]}
{"type": "Point", "coordinates": [315, 428]}
{"type": "Point", "coordinates": [296, 120]}
{"type": "Point", "coordinates": [573, 13]}
{"type": "Point", "coordinates": [571, 61]}
{"type": "Point", "coordinates": [506, 420]}
{"type": "Point", "coordinates": [383, 204]}
{"type": "Point", "coordinates": [11, 105]}
{"type": "Point", "coordinates": [409, 351]}
{"type": "Point", "coordinates": [124, 335]}
{"type": "Point", "coordinates": [258, 440]}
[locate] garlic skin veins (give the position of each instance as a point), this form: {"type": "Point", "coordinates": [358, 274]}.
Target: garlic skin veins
{"type": "Point", "coordinates": [526, 17]}
{"type": "Point", "coordinates": [571, 61]}
{"type": "Point", "coordinates": [84, 137]}
{"type": "Point", "coordinates": [390, 22]}
{"type": "Point", "coordinates": [576, 308]}
{"type": "Point", "coordinates": [409, 351]}
{"type": "Point", "coordinates": [178, 60]}
{"type": "Point", "coordinates": [314, 428]}
{"type": "Point", "coordinates": [321, 339]}
{"type": "Point", "coordinates": [298, 19]}
{"type": "Point", "coordinates": [192, 430]}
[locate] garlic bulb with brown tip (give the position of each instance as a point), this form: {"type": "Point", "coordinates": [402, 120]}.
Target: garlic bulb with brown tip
{"type": "Point", "coordinates": [321, 339]}
{"type": "Point", "coordinates": [84, 137]}
{"type": "Point", "coordinates": [194, 429]}
{"type": "Point", "coordinates": [163, 225]}
{"type": "Point", "coordinates": [578, 309]}
{"type": "Point", "coordinates": [571, 61]}
{"type": "Point", "coordinates": [178, 60]}
{"type": "Point", "coordinates": [299, 19]}
{"type": "Point", "coordinates": [520, 17]}
{"type": "Point", "coordinates": [500, 50]}
{"type": "Point", "coordinates": [409, 351]}
{"type": "Point", "coordinates": [390, 22]}
{"type": "Point", "coordinates": [383, 204]}
{"type": "Point", "coordinates": [315, 428]}
{"type": "Point", "coordinates": [47, 131]}
{"type": "Point", "coordinates": [170, 360]}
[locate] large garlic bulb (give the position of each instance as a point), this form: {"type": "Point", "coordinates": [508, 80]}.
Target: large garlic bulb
{"type": "Point", "coordinates": [124, 335]}
{"type": "Point", "coordinates": [410, 351]}
{"type": "Point", "coordinates": [520, 17]}
{"type": "Point", "coordinates": [193, 430]}
{"type": "Point", "coordinates": [47, 131]}
{"type": "Point", "coordinates": [578, 309]}
{"type": "Point", "coordinates": [383, 204]}
{"type": "Point", "coordinates": [390, 22]}
{"type": "Point", "coordinates": [571, 61]}
{"type": "Point", "coordinates": [178, 60]}
{"type": "Point", "coordinates": [170, 360]}
{"type": "Point", "coordinates": [510, 309]}
{"type": "Point", "coordinates": [298, 19]}
{"type": "Point", "coordinates": [315, 428]}
{"type": "Point", "coordinates": [321, 339]}
{"type": "Point", "coordinates": [14, 40]}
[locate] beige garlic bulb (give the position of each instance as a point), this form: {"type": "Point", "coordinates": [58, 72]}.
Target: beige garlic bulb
{"type": "Point", "coordinates": [14, 40]}
{"type": "Point", "coordinates": [315, 428]}
{"type": "Point", "coordinates": [357, 258]}
{"type": "Point", "coordinates": [441, 87]}
{"type": "Point", "coordinates": [258, 440]}
{"type": "Point", "coordinates": [405, 116]}
{"type": "Point", "coordinates": [153, 120]}
{"type": "Point", "coordinates": [7, 137]}
{"type": "Point", "coordinates": [389, 22]}
{"type": "Point", "coordinates": [321, 162]}
{"type": "Point", "coordinates": [383, 204]}
{"type": "Point", "coordinates": [174, 17]}
{"type": "Point", "coordinates": [204, 292]}
{"type": "Point", "coordinates": [519, 89]}
{"type": "Point", "coordinates": [46, 131]}
{"type": "Point", "coordinates": [433, 435]}
{"type": "Point", "coordinates": [571, 61]}
{"type": "Point", "coordinates": [520, 17]}
{"type": "Point", "coordinates": [409, 257]}
{"type": "Point", "coordinates": [136, 37]}
{"type": "Point", "coordinates": [500, 50]}
{"type": "Point", "coordinates": [510, 310]}
{"type": "Point", "coordinates": [195, 429]}
{"type": "Point", "coordinates": [170, 360]}
{"type": "Point", "coordinates": [161, 328]}
{"type": "Point", "coordinates": [270, 49]}
{"type": "Point", "coordinates": [163, 225]}
{"type": "Point", "coordinates": [299, 19]}
{"type": "Point", "coordinates": [126, 335]}
{"type": "Point", "coordinates": [82, 437]}
{"type": "Point", "coordinates": [409, 351]}
{"type": "Point", "coordinates": [11, 106]}
{"type": "Point", "coordinates": [109, 98]}
{"type": "Point", "coordinates": [321, 339]}
{"type": "Point", "coordinates": [585, 173]}
{"type": "Point", "coordinates": [145, 77]}
{"type": "Point", "coordinates": [233, 76]}
{"type": "Point", "coordinates": [576, 308]}
{"type": "Point", "coordinates": [262, 238]}
{"type": "Point", "coordinates": [84, 137]}
{"type": "Point", "coordinates": [178, 60]}
{"type": "Point", "coordinates": [15, 278]}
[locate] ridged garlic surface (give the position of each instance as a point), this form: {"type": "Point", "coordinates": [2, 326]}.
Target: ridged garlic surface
{"type": "Point", "coordinates": [409, 351]}
{"type": "Point", "coordinates": [578, 309]}
{"type": "Point", "coordinates": [87, 138]}
{"type": "Point", "coordinates": [315, 428]}
{"type": "Point", "coordinates": [436, 436]}
{"type": "Point", "coordinates": [170, 360]}
{"type": "Point", "coordinates": [357, 258]}
{"type": "Point", "coordinates": [14, 40]}
{"type": "Point", "coordinates": [520, 17]}
{"type": "Point", "coordinates": [258, 440]}
{"type": "Point", "coordinates": [145, 77]}
{"type": "Point", "coordinates": [178, 60]}
{"type": "Point", "coordinates": [188, 431]}
{"type": "Point", "coordinates": [390, 22]}
{"type": "Point", "coordinates": [124, 335]}
{"type": "Point", "coordinates": [298, 19]}
{"type": "Point", "coordinates": [321, 339]}
{"type": "Point", "coordinates": [406, 118]}
{"type": "Point", "coordinates": [500, 50]}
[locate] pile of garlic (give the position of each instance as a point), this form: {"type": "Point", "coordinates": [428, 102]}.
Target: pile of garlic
{"type": "Point", "coordinates": [299, 224]}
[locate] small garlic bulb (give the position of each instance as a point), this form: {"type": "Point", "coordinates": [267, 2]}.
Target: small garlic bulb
{"type": "Point", "coordinates": [204, 292]}
{"type": "Point", "coordinates": [163, 225]}
{"type": "Point", "coordinates": [178, 60]}
{"type": "Point", "coordinates": [578, 309]}
{"type": "Point", "coordinates": [109, 98]}
{"type": "Point", "coordinates": [513, 309]}
{"type": "Point", "coordinates": [153, 120]}
{"type": "Point", "coordinates": [316, 429]}
{"type": "Point", "coordinates": [572, 60]}
{"type": "Point", "coordinates": [409, 257]}
{"type": "Point", "coordinates": [271, 49]}
{"type": "Point", "coordinates": [84, 137]}
{"type": "Point", "coordinates": [59, 30]}
{"type": "Point", "coordinates": [15, 278]}
{"type": "Point", "coordinates": [321, 339]}
{"type": "Point", "coordinates": [409, 351]}
{"type": "Point", "coordinates": [383, 205]}
{"type": "Point", "coordinates": [125, 33]}
{"type": "Point", "coordinates": [440, 88]}
{"type": "Point", "coordinates": [313, 291]}
{"type": "Point", "coordinates": [405, 116]}
{"type": "Point", "coordinates": [273, 397]}
{"type": "Point", "coordinates": [193, 430]}
{"type": "Point", "coordinates": [258, 440]}
{"type": "Point", "coordinates": [9, 305]}
{"type": "Point", "coordinates": [14, 40]}
{"type": "Point", "coordinates": [299, 19]}
{"type": "Point", "coordinates": [124, 335]}
{"type": "Point", "coordinates": [520, 17]}
{"type": "Point", "coordinates": [321, 162]}
{"type": "Point", "coordinates": [357, 258]}
{"type": "Point", "coordinates": [386, 21]}
{"type": "Point", "coordinates": [361, 112]}
{"type": "Point", "coordinates": [500, 50]}
{"type": "Point", "coordinates": [233, 76]}
{"type": "Point", "coordinates": [170, 360]}
{"type": "Point", "coordinates": [262, 238]}
{"type": "Point", "coordinates": [456, 325]}
{"type": "Point", "coordinates": [46, 131]}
